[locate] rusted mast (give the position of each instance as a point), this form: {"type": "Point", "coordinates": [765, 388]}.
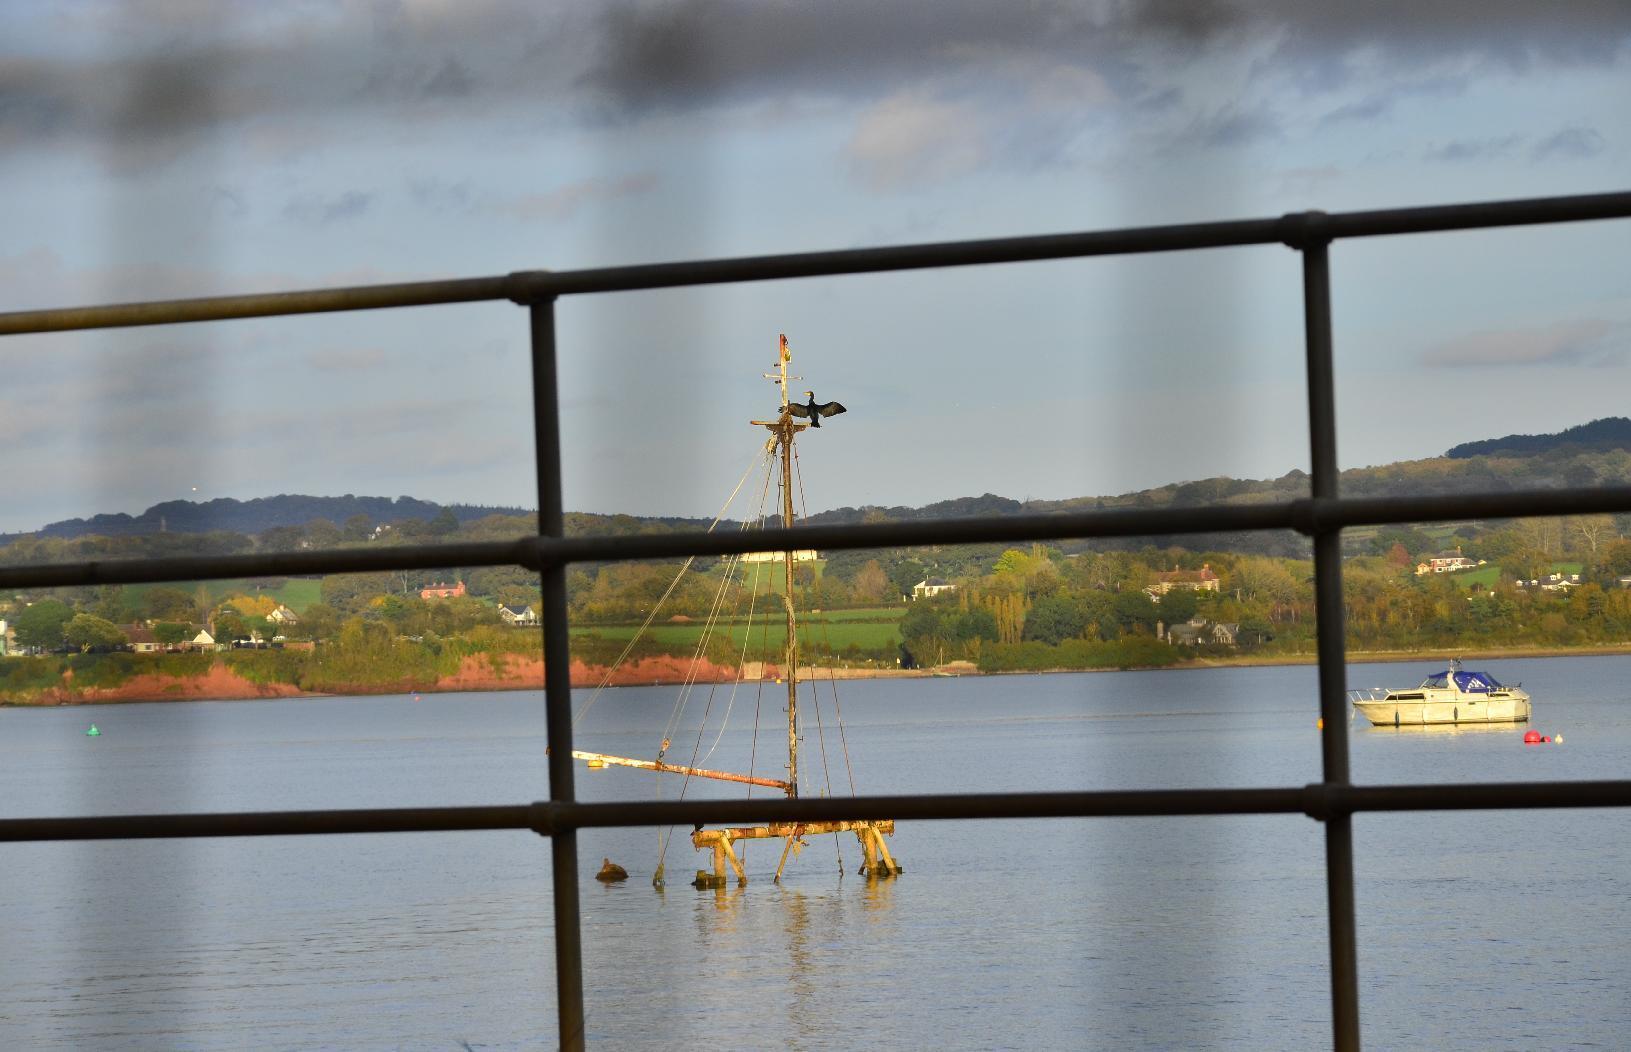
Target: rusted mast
{"type": "Point", "coordinates": [786, 431]}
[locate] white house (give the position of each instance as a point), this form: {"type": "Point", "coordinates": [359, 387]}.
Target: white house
{"type": "Point", "coordinates": [520, 616]}
{"type": "Point", "coordinates": [804, 555]}
{"type": "Point", "coordinates": [1445, 562]}
{"type": "Point", "coordinates": [933, 586]}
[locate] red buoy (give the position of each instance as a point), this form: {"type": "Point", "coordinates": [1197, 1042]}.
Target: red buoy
{"type": "Point", "coordinates": [1531, 738]}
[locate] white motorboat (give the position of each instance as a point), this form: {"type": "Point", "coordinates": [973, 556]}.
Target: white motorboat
{"type": "Point", "coordinates": [1452, 696]}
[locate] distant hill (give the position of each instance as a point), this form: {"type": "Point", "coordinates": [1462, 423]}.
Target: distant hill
{"type": "Point", "coordinates": [961, 508]}
{"type": "Point", "coordinates": [1594, 454]}
{"type": "Point", "coordinates": [261, 514]}
{"type": "Point", "coordinates": [1611, 432]}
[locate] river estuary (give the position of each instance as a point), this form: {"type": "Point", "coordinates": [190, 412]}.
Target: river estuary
{"type": "Point", "coordinates": [1478, 930]}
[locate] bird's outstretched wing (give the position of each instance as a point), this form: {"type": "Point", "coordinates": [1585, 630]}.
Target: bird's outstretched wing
{"type": "Point", "coordinates": [829, 409]}
{"type": "Point", "coordinates": [798, 410]}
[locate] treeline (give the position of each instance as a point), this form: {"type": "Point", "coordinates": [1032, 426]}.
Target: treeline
{"type": "Point", "coordinates": [363, 657]}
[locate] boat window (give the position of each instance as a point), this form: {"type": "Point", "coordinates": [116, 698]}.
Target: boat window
{"type": "Point", "coordinates": [1441, 681]}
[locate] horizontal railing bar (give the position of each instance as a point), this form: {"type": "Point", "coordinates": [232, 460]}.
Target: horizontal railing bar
{"type": "Point", "coordinates": [1306, 516]}
{"type": "Point", "coordinates": [1294, 229]}
{"type": "Point", "coordinates": [1336, 513]}
{"type": "Point", "coordinates": [1474, 796]}
{"type": "Point", "coordinates": [530, 286]}
{"type": "Point", "coordinates": [273, 823]}
{"type": "Point", "coordinates": [259, 305]}
{"type": "Point", "coordinates": [520, 552]}
{"type": "Point", "coordinates": [1317, 800]}
{"type": "Point", "coordinates": [1479, 215]}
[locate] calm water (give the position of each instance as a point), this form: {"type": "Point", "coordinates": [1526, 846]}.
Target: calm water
{"type": "Point", "coordinates": [1477, 930]}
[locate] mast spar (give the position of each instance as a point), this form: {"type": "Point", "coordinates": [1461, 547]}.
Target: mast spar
{"type": "Point", "coordinates": [784, 431]}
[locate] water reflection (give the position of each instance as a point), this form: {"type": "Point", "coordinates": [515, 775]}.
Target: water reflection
{"type": "Point", "coordinates": [1445, 730]}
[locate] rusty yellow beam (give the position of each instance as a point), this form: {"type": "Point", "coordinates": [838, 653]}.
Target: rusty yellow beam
{"type": "Point", "coordinates": [674, 768]}
{"type": "Point", "coordinates": [777, 830]}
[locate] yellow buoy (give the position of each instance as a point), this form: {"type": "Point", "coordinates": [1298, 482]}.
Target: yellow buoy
{"type": "Point", "coordinates": [595, 765]}
{"type": "Point", "coordinates": [1319, 724]}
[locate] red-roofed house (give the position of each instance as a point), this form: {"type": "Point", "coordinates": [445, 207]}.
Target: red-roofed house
{"type": "Point", "coordinates": [1202, 580]}
{"type": "Point", "coordinates": [442, 591]}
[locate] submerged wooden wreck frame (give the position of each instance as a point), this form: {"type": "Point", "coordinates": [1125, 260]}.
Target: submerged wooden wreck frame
{"type": "Point", "coordinates": [1321, 516]}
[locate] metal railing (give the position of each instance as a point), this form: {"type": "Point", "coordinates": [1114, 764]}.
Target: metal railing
{"type": "Point", "coordinates": [1321, 516]}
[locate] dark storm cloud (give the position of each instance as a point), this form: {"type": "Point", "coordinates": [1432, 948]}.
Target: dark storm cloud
{"type": "Point", "coordinates": [659, 56]}
{"type": "Point", "coordinates": [163, 74]}
{"type": "Point", "coordinates": [672, 55]}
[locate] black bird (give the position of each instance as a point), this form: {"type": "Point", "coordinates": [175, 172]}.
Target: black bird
{"type": "Point", "coordinates": [814, 410]}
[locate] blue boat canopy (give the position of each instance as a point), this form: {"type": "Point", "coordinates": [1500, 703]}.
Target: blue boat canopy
{"type": "Point", "coordinates": [1468, 682]}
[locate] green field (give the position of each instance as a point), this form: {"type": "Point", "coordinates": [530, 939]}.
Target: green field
{"type": "Point", "coordinates": [766, 578]}
{"type": "Point", "coordinates": [772, 633]}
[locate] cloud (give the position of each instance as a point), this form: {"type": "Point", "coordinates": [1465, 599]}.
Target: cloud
{"type": "Point", "coordinates": [317, 210]}
{"type": "Point", "coordinates": [162, 77]}
{"type": "Point", "coordinates": [564, 201]}
{"type": "Point", "coordinates": [167, 75]}
{"type": "Point", "coordinates": [1586, 342]}
{"type": "Point", "coordinates": [1363, 111]}
{"type": "Point", "coordinates": [1460, 150]}
{"type": "Point", "coordinates": [1570, 143]}
{"type": "Point", "coordinates": [1232, 127]}
{"type": "Point", "coordinates": [905, 141]}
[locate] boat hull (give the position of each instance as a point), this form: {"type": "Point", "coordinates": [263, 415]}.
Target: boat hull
{"type": "Point", "coordinates": [1425, 712]}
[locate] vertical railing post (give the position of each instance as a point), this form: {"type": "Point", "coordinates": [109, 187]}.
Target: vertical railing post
{"type": "Point", "coordinates": [1328, 608]}
{"type": "Point", "coordinates": [557, 676]}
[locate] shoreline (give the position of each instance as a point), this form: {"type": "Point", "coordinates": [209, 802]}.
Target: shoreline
{"type": "Point", "coordinates": [221, 684]}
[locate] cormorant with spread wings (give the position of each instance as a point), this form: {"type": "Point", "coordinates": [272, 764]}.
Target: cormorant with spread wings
{"type": "Point", "coordinates": [814, 410]}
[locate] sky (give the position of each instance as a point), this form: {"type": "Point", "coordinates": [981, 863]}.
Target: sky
{"type": "Point", "coordinates": [169, 148]}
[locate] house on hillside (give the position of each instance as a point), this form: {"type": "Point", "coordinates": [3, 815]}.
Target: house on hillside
{"type": "Point", "coordinates": [440, 590]}
{"type": "Point", "coordinates": [931, 587]}
{"type": "Point", "coordinates": [1556, 582]}
{"type": "Point", "coordinates": [520, 616]}
{"type": "Point", "coordinates": [1202, 580]}
{"type": "Point", "coordinates": [203, 641]}
{"type": "Point", "coordinates": [1198, 631]}
{"type": "Point", "coordinates": [283, 616]}
{"type": "Point", "coordinates": [141, 639]}
{"type": "Point", "coordinates": [1446, 562]}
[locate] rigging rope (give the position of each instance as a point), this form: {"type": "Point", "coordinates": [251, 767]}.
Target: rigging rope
{"type": "Point", "coordinates": [610, 672]}
{"type": "Point", "coordinates": [832, 680]}
{"type": "Point", "coordinates": [665, 834]}
{"type": "Point", "coordinates": [815, 687]}
{"type": "Point", "coordinates": [732, 565]}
